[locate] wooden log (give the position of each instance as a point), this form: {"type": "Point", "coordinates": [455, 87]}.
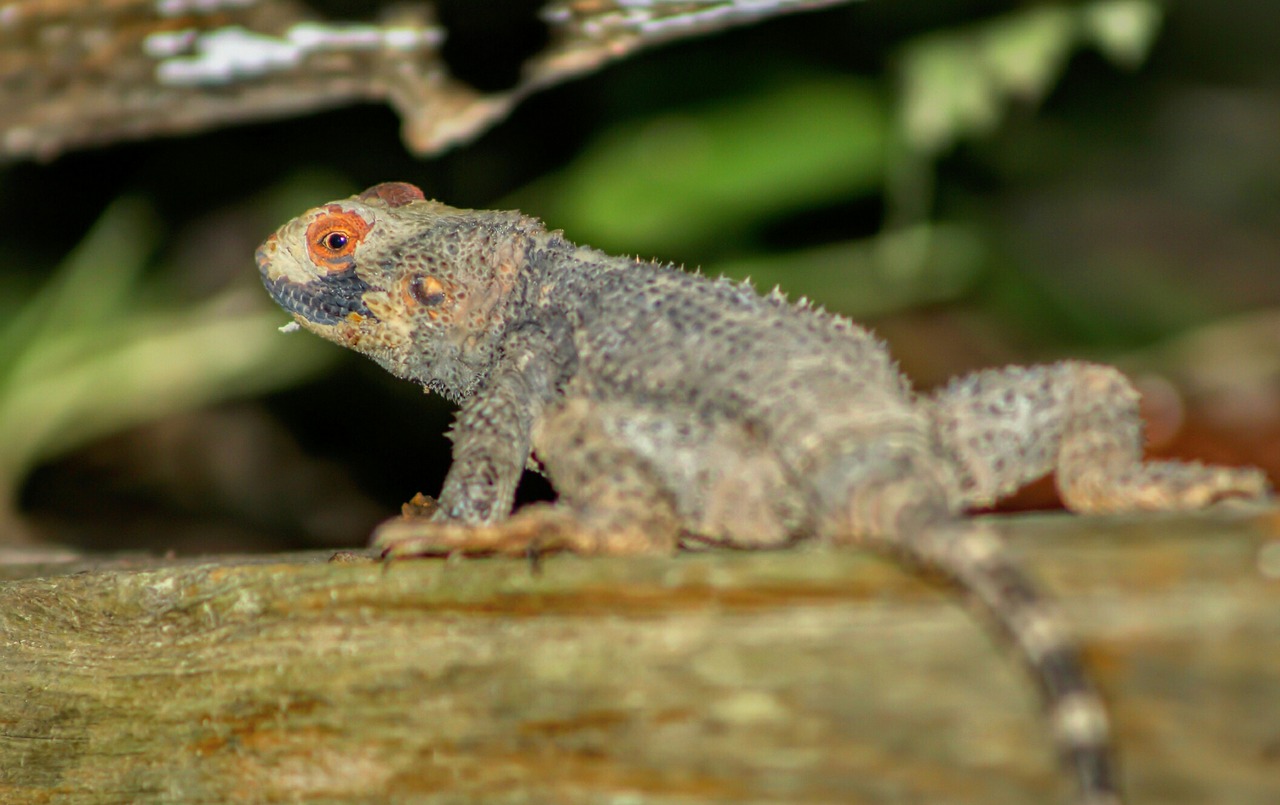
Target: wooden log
{"type": "Point", "coordinates": [723, 677]}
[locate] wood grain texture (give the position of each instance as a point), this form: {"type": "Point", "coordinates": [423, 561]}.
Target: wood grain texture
{"type": "Point", "coordinates": [801, 676]}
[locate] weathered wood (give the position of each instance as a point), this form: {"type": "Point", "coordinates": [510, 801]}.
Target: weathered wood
{"type": "Point", "coordinates": [84, 72]}
{"type": "Point", "coordinates": [802, 676]}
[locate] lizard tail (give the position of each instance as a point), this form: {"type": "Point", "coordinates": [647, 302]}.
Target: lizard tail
{"type": "Point", "coordinates": [971, 556]}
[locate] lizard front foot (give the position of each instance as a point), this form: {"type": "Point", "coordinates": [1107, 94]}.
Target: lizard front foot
{"type": "Point", "coordinates": [535, 529]}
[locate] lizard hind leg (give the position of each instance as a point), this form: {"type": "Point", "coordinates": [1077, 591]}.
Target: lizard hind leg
{"type": "Point", "coordinates": [619, 502]}
{"type": "Point", "coordinates": [1003, 428]}
{"type": "Point", "coordinates": [649, 480]}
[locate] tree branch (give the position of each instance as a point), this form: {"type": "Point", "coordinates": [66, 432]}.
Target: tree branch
{"type": "Point", "coordinates": [799, 676]}
{"type": "Point", "coordinates": [75, 73]}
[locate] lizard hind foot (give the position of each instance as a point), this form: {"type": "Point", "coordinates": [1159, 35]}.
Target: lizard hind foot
{"type": "Point", "coordinates": [1164, 486]}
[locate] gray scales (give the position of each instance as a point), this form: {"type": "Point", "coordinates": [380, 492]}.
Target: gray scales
{"type": "Point", "coordinates": [669, 409]}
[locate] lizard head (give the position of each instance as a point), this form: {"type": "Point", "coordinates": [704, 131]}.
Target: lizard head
{"type": "Point", "coordinates": [414, 284]}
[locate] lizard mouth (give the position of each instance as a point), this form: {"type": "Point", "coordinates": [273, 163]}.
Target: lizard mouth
{"type": "Point", "coordinates": [326, 300]}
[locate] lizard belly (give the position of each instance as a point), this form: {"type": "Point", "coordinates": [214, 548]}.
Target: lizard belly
{"type": "Point", "coordinates": [725, 484]}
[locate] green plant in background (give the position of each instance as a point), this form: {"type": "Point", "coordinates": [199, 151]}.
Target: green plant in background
{"type": "Point", "coordinates": [97, 349]}
{"type": "Point", "coordinates": [683, 181]}
{"type": "Point", "coordinates": [689, 182]}
{"type": "Point", "coordinates": [956, 83]}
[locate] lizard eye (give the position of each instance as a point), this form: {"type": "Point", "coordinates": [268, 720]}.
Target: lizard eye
{"type": "Point", "coordinates": [333, 236]}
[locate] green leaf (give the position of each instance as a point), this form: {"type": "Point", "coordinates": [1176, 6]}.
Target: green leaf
{"type": "Point", "coordinates": [92, 284]}
{"type": "Point", "coordinates": [1123, 29]}
{"type": "Point", "coordinates": [85, 356]}
{"type": "Point", "coordinates": [893, 271]}
{"type": "Point", "coordinates": [679, 181]}
{"type": "Point", "coordinates": [956, 83]}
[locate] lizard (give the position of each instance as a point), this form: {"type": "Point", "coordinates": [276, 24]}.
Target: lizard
{"type": "Point", "coordinates": [671, 409]}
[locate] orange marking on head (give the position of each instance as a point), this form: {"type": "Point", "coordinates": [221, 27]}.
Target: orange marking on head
{"type": "Point", "coordinates": [395, 194]}
{"type": "Point", "coordinates": [333, 236]}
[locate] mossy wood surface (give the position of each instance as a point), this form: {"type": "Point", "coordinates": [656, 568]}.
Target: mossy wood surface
{"type": "Point", "coordinates": [788, 677]}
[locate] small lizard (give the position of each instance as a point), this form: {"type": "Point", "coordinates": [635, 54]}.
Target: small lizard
{"type": "Point", "coordinates": [668, 409]}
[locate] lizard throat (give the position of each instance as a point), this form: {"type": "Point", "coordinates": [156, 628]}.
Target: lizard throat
{"type": "Point", "coordinates": [323, 301]}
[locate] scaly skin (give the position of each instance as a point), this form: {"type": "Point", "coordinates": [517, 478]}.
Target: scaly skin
{"type": "Point", "coordinates": [669, 408]}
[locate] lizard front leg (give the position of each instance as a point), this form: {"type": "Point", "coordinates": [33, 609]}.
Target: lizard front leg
{"type": "Point", "coordinates": [492, 442]}
{"type": "Point", "coordinates": [612, 501]}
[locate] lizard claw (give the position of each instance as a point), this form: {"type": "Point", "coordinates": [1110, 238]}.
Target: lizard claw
{"type": "Point", "coordinates": [419, 505]}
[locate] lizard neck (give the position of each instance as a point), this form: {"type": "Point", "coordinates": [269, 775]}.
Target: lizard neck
{"type": "Point", "coordinates": [518, 278]}
{"type": "Point", "coordinates": [479, 265]}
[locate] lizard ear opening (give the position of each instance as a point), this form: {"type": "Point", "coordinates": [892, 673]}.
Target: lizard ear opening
{"type": "Point", "coordinates": [394, 194]}
{"type": "Point", "coordinates": [423, 290]}
{"type": "Point", "coordinates": [332, 238]}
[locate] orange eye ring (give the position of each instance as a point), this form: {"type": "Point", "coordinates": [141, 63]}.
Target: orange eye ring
{"type": "Point", "coordinates": [333, 236]}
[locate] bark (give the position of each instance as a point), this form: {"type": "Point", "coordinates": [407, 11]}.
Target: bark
{"type": "Point", "coordinates": [85, 72]}
{"type": "Point", "coordinates": [799, 676]}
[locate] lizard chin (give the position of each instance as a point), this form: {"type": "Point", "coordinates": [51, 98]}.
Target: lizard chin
{"type": "Point", "coordinates": [325, 301]}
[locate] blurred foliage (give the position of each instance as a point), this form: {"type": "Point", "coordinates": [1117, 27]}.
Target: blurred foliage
{"type": "Point", "coordinates": [897, 270]}
{"type": "Point", "coordinates": [676, 181]}
{"type": "Point", "coordinates": [955, 83]}
{"type": "Point", "coordinates": [679, 183]}
{"type": "Point", "coordinates": [98, 349]}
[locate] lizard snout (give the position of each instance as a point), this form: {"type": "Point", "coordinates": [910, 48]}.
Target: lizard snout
{"type": "Point", "coordinates": [264, 254]}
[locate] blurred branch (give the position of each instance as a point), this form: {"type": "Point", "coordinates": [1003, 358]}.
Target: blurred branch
{"type": "Point", "coordinates": [77, 72]}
